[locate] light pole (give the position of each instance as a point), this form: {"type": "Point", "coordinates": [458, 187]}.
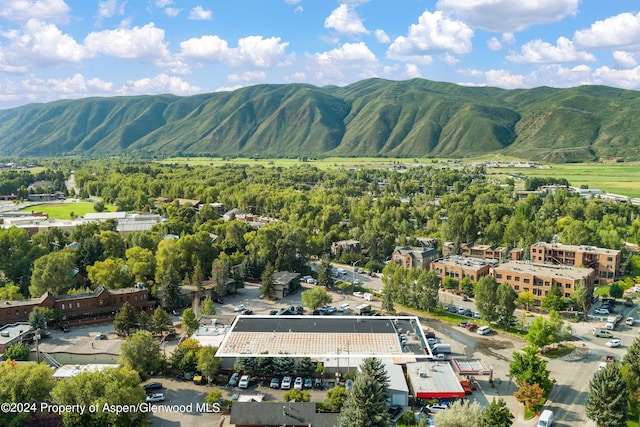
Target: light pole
{"type": "Point", "coordinates": [338, 367]}
{"type": "Point", "coordinates": [353, 272]}
{"type": "Point", "coordinates": [37, 337]}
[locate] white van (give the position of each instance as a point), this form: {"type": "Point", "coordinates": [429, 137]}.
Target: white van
{"type": "Point", "coordinates": [546, 418]}
{"type": "Point", "coordinates": [602, 333]}
{"type": "Point", "coordinates": [484, 330]}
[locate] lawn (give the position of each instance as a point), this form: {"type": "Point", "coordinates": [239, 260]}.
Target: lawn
{"type": "Point", "coordinates": [66, 210]}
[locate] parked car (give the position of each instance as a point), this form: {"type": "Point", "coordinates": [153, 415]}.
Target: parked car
{"type": "Point", "coordinates": [247, 312]}
{"type": "Point", "coordinates": [466, 386]}
{"type": "Point", "coordinates": [358, 294]}
{"type": "Point", "coordinates": [317, 383]}
{"type": "Point", "coordinates": [240, 307]}
{"type": "Point", "coordinates": [233, 381]}
{"type": "Point", "coordinates": [463, 324]}
{"type": "Point", "coordinates": [152, 386]}
{"type": "Point", "coordinates": [312, 281]}
{"type": "Point", "coordinates": [453, 309]}
{"type": "Point", "coordinates": [244, 381]}
{"type": "Point", "coordinates": [275, 383]}
{"type": "Point", "coordinates": [308, 383]}
{"type": "Point", "coordinates": [394, 412]}
{"type": "Point", "coordinates": [155, 397]}
{"type": "Point", "coordinates": [630, 321]}
{"type": "Point", "coordinates": [100, 336]}
{"type": "Point", "coordinates": [297, 385]}
{"type": "Point", "coordinates": [273, 312]}
{"type": "Point", "coordinates": [601, 311]}
{"type": "Point", "coordinates": [286, 383]}
{"type": "Point", "coordinates": [436, 407]}
{"type": "Point", "coordinates": [468, 313]}
{"type": "Point", "coordinates": [343, 307]}
{"type": "Point", "coordinates": [476, 315]}
{"type": "Point", "coordinates": [64, 328]}
{"type": "Point", "coordinates": [614, 343]}
{"type": "Point", "coordinates": [484, 330]}
{"type": "Point", "coordinates": [472, 326]}
{"type": "Point", "coordinates": [219, 300]}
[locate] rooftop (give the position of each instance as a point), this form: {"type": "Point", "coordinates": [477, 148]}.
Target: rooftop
{"type": "Point", "coordinates": [545, 270]}
{"type": "Point", "coordinates": [434, 380]}
{"type": "Point", "coordinates": [576, 248]}
{"type": "Point", "coordinates": [465, 261]}
{"type": "Point", "coordinates": [68, 371]}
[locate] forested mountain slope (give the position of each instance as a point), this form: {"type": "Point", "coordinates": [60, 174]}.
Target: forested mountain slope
{"type": "Point", "coordinates": [369, 118]}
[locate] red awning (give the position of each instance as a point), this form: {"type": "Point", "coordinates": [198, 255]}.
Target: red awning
{"type": "Point", "coordinates": [440, 394]}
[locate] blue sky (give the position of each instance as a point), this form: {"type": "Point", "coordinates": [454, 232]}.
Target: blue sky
{"type": "Point", "coordinates": [59, 49]}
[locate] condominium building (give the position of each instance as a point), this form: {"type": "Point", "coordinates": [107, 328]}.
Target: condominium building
{"type": "Point", "coordinates": [538, 279]}
{"type": "Point", "coordinates": [605, 262]}
{"type": "Point", "coordinates": [458, 267]}
{"type": "Point", "coordinates": [411, 257]}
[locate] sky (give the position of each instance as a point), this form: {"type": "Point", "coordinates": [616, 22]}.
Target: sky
{"type": "Point", "coordinates": [68, 49]}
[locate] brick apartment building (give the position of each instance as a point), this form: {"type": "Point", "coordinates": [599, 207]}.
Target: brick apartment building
{"type": "Point", "coordinates": [99, 305]}
{"type": "Point", "coordinates": [411, 257]}
{"type": "Point", "coordinates": [540, 278]}
{"type": "Point", "coordinates": [458, 267]}
{"type": "Point", "coordinates": [473, 250]}
{"type": "Point", "coordinates": [605, 262]}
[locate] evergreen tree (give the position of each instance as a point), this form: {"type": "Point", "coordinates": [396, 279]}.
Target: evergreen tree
{"type": "Point", "coordinates": [365, 405]}
{"type": "Point", "coordinates": [374, 368]}
{"type": "Point", "coordinates": [429, 299]}
{"type": "Point", "coordinates": [607, 400]}
{"type": "Point", "coordinates": [325, 277]}
{"type": "Point", "coordinates": [160, 322]}
{"type": "Point", "coordinates": [189, 321]}
{"type": "Point", "coordinates": [387, 300]}
{"type": "Point", "coordinates": [497, 414]}
{"type": "Point", "coordinates": [170, 283]}
{"type": "Point", "coordinates": [125, 320]}
{"type": "Point", "coordinates": [268, 287]}
{"type": "Point", "coordinates": [553, 300]}
{"type": "Point", "coordinates": [506, 298]}
{"type": "Point", "coordinates": [208, 307]}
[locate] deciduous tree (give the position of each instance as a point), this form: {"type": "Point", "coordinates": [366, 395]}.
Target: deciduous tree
{"type": "Point", "coordinates": [497, 414]}
{"type": "Point", "coordinates": [23, 383]}
{"type": "Point", "coordinates": [529, 394]}
{"type": "Point", "coordinates": [528, 367]}
{"type": "Point", "coordinates": [53, 272]}
{"type": "Point", "coordinates": [460, 414]}
{"type": "Point", "coordinates": [189, 321]}
{"type": "Point", "coordinates": [486, 298]}
{"type": "Point", "coordinates": [142, 353]}
{"type": "Point", "coordinates": [315, 297]}
{"type": "Point", "coordinates": [208, 364]}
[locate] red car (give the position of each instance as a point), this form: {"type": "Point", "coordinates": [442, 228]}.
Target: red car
{"type": "Point", "coordinates": [471, 326]}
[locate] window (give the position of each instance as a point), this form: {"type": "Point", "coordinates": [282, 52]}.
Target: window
{"type": "Point", "coordinates": [508, 277]}
{"type": "Point", "coordinates": [517, 278]}
{"type": "Point", "coordinates": [516, 288]}
{"type": "Point", "coordinates": [498, 276]}
{"type": "Point", "coordinates": [62, 308]}
{"type": "Point", "coordinates": [567, 295]}
{"type": "Point", "coordinates": [25, 312]}
{"type": "Point", "coordinates": [568, 286]}
{"type": "Point", "coordinates": [17, 312]}
{"type": "Point", "coordinates": [527, 280]}
{"type": "Point", "coordinates": [78, 304]}
{"type": "Point", "coordinates": [609, 258]}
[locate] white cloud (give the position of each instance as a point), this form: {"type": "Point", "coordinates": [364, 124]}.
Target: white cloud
{"type": "Point", "coordinates": [172, 11]}
{"type": "Point", "coordinates": [433, 34]}
{"type": "Point", "coordinates": [499, 78]}
{"type": "Point", "coordinates": [247, 76]}
{"type": "Point", "coordinates": [201, 14]}
{"type": "Point", "coordinates": [296, 77]}
{"type": "Point", "coordinates": [164, 3]}
{"type": "Point", "coordinates": [144, 43]}
{"type": "Point", "coordinates": [254, 51]}
{"type": "Point", "coordinates": [494, 44]}
{"type": "Point", "coordinates": [38, 44]}
{"type": "Point", "coordinates": [629, 79]}
{"type": "Point", "coordinates": [508, 38]}
{"type": "Point", "coordinates": [412, 71]}
{"type": "Point", "coordinates": [617, 32]}
{"type": "Point", "coordinates": [508, 15]}
{"type": "Point", "coordinates": [345, 20]}
{"type": "Point", "coordinates": [539, 52]}
{"type": "Point", "coordinates": [292, 1]}
{"type": "Point", "coordinates": [162, 83]}
{"type": "Point", "coordinates": [624, 60]}
{"type": "Point", "coordinates": [109, 8]}
{"type": "Point", "coordinates": [381, 36]}
{"type": "Point", "coordinates": [25, 10]}
{"type": "Point", "coordinates": [352, 59]}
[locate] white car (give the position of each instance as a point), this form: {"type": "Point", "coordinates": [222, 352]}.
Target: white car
{"type": "Point", "coordinates": [297, 385]}
{"type": "Point", "coordinates": [358, 294]}
{"type": "Point", "coordinates": [155, 397]}
{"type": "Point", "coordinates": [601, 311]}
{"type": "Point", "coordinates": [630, 321]}
{"type": "Point", "coordinates": [613, 343]}
{"type": "Point", "coordinates": [244, 381]}
{"type": "Point", "coordinates": [286, 383]}
{"type": "Point", "coordinates": [312, 281]}
{"type": "Point", "coordinates": [343, 307]}
{"type": "Point", "coordinates": [240, 307]}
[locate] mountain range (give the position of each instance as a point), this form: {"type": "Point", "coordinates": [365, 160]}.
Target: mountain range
{"type": "Point", "coordinates": [374, 117]}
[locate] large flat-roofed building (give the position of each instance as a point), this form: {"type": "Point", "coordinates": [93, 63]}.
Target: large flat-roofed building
{"type": "Point", "coordinates": [473, 250]}
{"type": "Point", "coordinates": [605, 262]}
{"type": "Point", "coordinates": [434, 380]}
{"type": "Point", "coordinates": [458, 267]}
{"type": "Point", "coordinates": [321, 337]}
{"type": "Point", "coordinates": [540, 278]}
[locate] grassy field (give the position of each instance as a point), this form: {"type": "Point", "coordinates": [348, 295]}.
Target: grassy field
{"type": "Point", "coordinates": [612, 178]}
{"type": "Point", "coordinates": [64, 210]}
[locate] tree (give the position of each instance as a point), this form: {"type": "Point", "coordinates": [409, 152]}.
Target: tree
{"type": "Point", "coordinates": [185, 357]}
{"type": "Point", "coordinates": [10, 292]}
{"type": "Point", "coordinates": [525, 298]}
{"type": "Point", "coordinates": [497, 414]}
{"type": "Point", "coordinates": [267, 288]}
{"type": "Point", "coordinates": [170, 284]}
{"type": "Point", "coordinates": [214, 396]}
{"type": "Point", "coordinates": [316, 297]}
{"type": "Point", "coordinates": [325, 276]}
{"type": "Point", "coordinates": [553, 300]}
{"type": "Point", "coordinates": [189, 321]}
{"type": "Point", "coordinates": [125, 320]}
{"type": "Point", "coordinates": [429, 283]}
{"type": "Point", "coordinates": [208, 364]}
{"type": "Point", "coordinates": [38, 320]}
{"type": "Point", "coordinates": [208, 307]}
{"type": "Point", "coordinates": [460, 414]}
{"type": "Point", "coordinates": [374, 368]}
{"type": "Point", "coordinates": [616, 290]}
{"type": "Point", "coordinates": [111, 386]}
{"type": "Point", "coordinates": [363, 406]}
{"type": "Point", "coordinates": [161, 322]}
{"type": "Point", "coordinates": [18, 351]}
{"type": "Point", "coordinates": [142, 353]}
{"type": "Point", "coordinates": [540, 333]}
{"type": "Point", "coordinates": [141, 263]}
{"type": "Point", "coordinates": [506, 298]}
{"type": "Point", "coordinates": [580, 297]}
{"type": "Point", "coordinates": [486, 298]}
{"type": "Point", "coordinates": [607, 400]}
{"type": "Point", "coordinates": [305, 366]}
{"type": "Point", "coordinates": [53, 272]}
{"type": "Point", "coordinates": [336, 397]}
{"type": "Point", "coordinates": [144, 321]}
{"type": "Point", "coordinates": [387, 300]}
{"type": "Point", "coordinates": [112, 273]}
{"type": "Point", "coordinates": [296, 396]}
{"type": "Point", "coordinates": [528, 367]}
{"type": "Point", "coordinates": [220, 274]}
{"type": "Point", "coordinates": [529, 394]}
{"type": "Point", "coordinates": [23, 383]}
